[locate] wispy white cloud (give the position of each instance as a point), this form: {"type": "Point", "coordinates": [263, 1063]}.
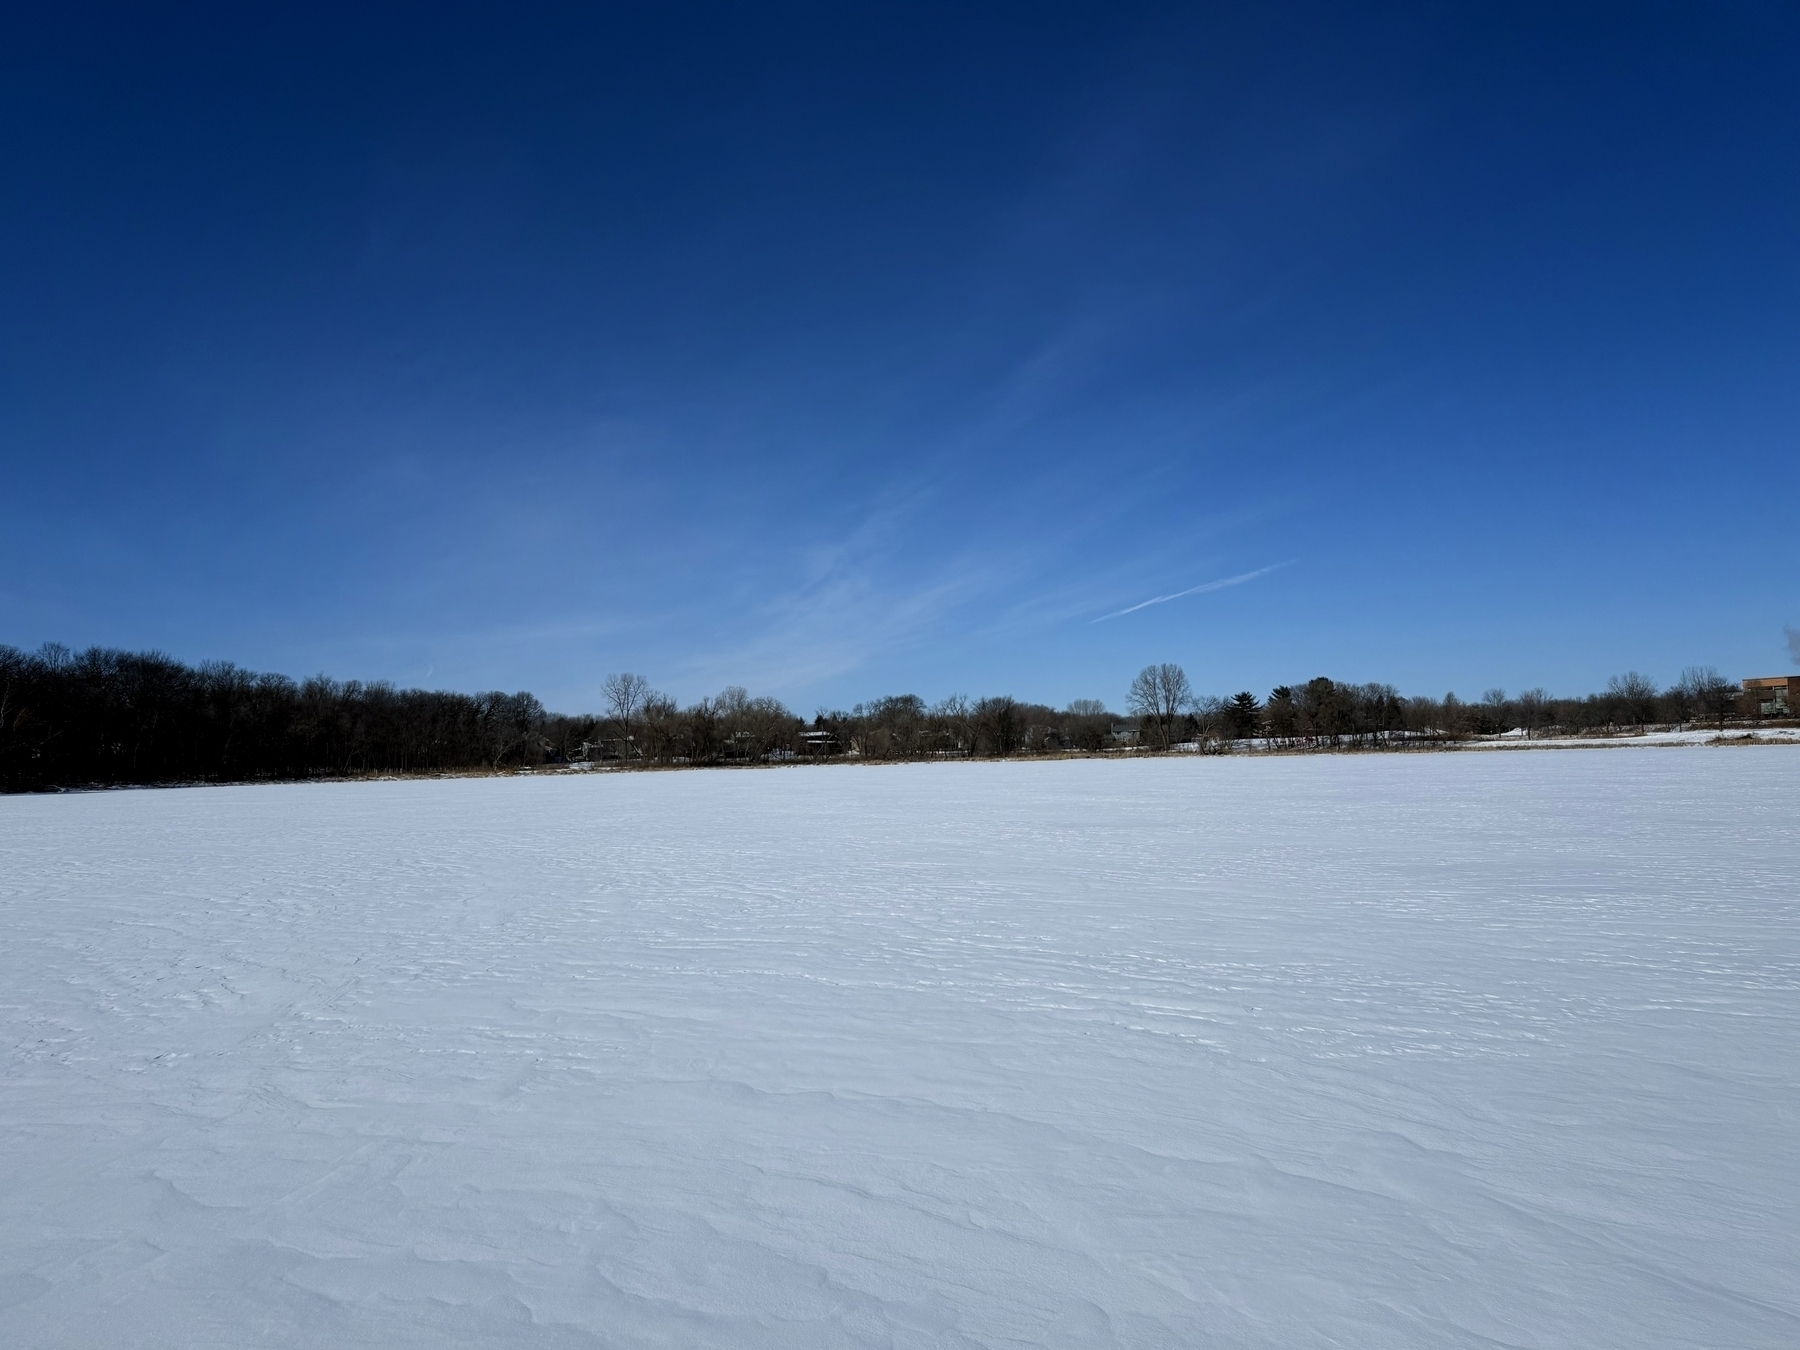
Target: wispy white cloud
{"type": "Point", "coordinates": [1201, 589]}
{"type": "Point", "coordinates": [855, 600]}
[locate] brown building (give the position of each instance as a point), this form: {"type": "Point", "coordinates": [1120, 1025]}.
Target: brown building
{"type": "Point", "coordinates": [1770, 696]}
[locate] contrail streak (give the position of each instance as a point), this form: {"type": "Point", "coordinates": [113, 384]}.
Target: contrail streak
{"type": "Point", "coordinates": [1191, 590]}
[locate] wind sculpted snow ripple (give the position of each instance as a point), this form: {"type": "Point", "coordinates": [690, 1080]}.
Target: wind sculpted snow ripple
{"type": "Point", "coordinates": [1332, 1051]}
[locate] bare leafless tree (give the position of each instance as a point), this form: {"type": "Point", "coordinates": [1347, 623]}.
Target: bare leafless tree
{"type": "Point", "coordinates": [1712, 694]}
{"type": "Point", "coordinates": [662, 726]}
{"type": "Point", "coordinates": [1496, 707]}
{"type": "Point", "coordinates": [625, 698]}
{"type": "Point", "coordinates": [1633, 698]}
{"type": "Point", "coordinates": [949, 726]}
{"type": "Point", "coordinates": [997, 726]}
{"type": "Point", "coordinates": [1159, 695]}
{"type": "Point", "coordinates": [1534, 710]}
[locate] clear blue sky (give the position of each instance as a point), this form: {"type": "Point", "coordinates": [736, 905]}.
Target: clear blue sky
{"type": "Point", "coordinates": [839, 351]}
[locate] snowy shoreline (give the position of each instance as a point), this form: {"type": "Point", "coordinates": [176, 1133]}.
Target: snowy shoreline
{"type": "Point", "coordinates": [1711, 739]}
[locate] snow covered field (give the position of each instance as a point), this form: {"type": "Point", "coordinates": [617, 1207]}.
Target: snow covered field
{"type": "Point", "coordinates": [1384, 1051]}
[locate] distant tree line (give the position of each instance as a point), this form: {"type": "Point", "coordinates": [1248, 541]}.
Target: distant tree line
{"type": "Point", "coordinates": [103, 717]}
{"type": "Point", "coordinates": [1325, 712]}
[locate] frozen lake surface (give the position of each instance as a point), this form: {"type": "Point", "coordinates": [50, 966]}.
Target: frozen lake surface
{"type": "Point", "coordinates": [1377, 1051]}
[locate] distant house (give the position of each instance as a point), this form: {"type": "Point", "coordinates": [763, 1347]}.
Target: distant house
{"type": "Point", "coordinates": [1771, 696]}
{"type": "Point", "coordinates": [1124, 733]}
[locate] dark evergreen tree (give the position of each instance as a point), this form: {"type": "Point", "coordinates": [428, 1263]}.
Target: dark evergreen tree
{"type": "Point", "coordinates": [1243, 716]}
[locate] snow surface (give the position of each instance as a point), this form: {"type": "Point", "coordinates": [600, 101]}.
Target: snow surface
{"type": "Point", "coordinates": [1435, 1050]}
